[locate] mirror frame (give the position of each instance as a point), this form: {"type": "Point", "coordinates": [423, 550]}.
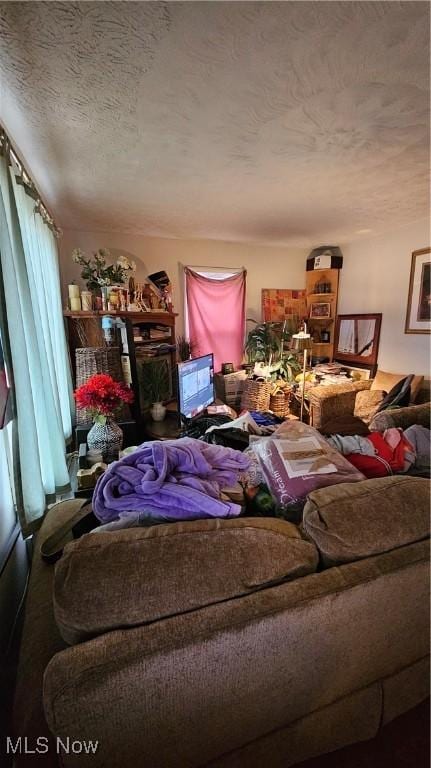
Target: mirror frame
{"type": "Point", "coordinates": [369, 362]}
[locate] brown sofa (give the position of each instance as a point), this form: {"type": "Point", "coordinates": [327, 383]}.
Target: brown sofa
{"type": "Point", "coordinates": [229, 644]}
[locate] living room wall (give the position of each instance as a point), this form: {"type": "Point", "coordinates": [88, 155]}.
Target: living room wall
{"type": "Point", "coordinates": [375, 278]}
{"type": "Point", "coordinates": [267, 267]}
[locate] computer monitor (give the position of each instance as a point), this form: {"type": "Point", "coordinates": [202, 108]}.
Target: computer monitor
{"type": "Point", "coordinates": [195, 386]}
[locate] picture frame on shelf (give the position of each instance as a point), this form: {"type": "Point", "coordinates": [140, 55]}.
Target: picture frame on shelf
{"type": "Point", "coordinates": [418, 315]}
{"type": "Point", "coordinates": [320, 310]}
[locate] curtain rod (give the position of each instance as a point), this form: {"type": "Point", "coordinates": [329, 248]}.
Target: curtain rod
{"type": "Point", "coordinates": [26, 180]}
{"type": "Point", "coordinates": [216, 269]}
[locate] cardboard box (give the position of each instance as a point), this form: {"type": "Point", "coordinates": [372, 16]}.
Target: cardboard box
{"type": "Point", "coordinates": [229, 387]}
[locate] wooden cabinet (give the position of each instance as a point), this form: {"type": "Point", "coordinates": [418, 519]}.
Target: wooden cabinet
{"type": "Point", "coordinates": [150, 338]}
{"type": "Point", "coordinates": [137, 342]}
{"type": "Point", "coordinates": [322, 296]}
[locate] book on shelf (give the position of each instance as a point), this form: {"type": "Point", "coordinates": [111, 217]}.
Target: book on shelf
{"type": "Point", "coordinates": [152, 350]}
{"type": "Point", "coordinates": [156, 334]}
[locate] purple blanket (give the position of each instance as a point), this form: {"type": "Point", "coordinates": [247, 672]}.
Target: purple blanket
{"type": "Point", "coordinates": [170, 480]}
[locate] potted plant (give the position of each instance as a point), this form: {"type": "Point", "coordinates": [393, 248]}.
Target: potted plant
{"type": "Point", "coordinates": [267, 344]}
{"type": "Point", "coordinates": [155, 382]}
{"type": "Point", "coordinates": [184, 348]}
{"type": "Point", "coordinates": [103, 397]}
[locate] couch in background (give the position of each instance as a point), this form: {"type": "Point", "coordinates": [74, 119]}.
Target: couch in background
{"type": "Point", "coordinates": [230, 644]}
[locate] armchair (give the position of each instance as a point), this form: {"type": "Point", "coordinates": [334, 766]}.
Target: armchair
{"type": "Point", "coordinates": [351, 408]}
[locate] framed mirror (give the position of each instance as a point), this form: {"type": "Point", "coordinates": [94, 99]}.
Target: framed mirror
{"type": "Point", "coordinates": [356, 340]}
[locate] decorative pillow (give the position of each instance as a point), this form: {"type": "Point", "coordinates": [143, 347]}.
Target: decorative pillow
{"type": "Point", "coordinates": [399, 396]}
{"type": "Point", "coordinates": [109, 580]}
{"type": "Point", "coordinates": [351, 521]}
{"type": "Point", "coordinates": [386, 381]}
{"type": "Point", "coordinates": [367, 403]}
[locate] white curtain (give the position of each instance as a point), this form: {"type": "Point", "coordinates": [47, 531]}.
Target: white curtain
{"type": "Point", "coordinates": [346, 341]}
{"type": "Point", "coordinates": [40, 365]}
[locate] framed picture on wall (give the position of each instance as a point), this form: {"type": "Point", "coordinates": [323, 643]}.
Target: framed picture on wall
{"type": "Point", "coordinates": [418, 317]}
{"type": "Point", "coordinates": [279, 304]}
{"type": "Point", "coordinates": [320, 309]}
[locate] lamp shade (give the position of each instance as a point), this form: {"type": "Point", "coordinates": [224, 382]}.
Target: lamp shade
{"type": "Point", "coordinates": [302, 341]}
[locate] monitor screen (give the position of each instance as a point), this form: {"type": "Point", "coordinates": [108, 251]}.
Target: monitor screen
{"type": "Point", "coordinates": [195, 385]}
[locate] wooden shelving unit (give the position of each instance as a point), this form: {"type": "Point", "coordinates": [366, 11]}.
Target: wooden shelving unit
{"type": "Point", "coordinates": [138, 358]}
{"type": "Point", "coordinates": [84, 329]}
{"type": "Point", "coordinates": [319, 325]}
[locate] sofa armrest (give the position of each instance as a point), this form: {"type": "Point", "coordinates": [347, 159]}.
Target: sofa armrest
{"type": "Point", "coordinates": [333, 401]}
{"type": "Point", "coordinates": [401, 417]}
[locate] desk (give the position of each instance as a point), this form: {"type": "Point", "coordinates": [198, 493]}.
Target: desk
{"type": "Point", "coordinates": [168, 429]}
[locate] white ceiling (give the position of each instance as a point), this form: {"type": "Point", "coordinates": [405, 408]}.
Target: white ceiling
{"type": "Point", "coordinates": [267, 122]}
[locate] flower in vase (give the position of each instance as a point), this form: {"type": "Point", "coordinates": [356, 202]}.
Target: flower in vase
{"type": "Point", "coordinates": [102, 396]}
{"type": "Point", "coordinates": [97, 273]}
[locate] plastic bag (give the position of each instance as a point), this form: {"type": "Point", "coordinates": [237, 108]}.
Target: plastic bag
{"type": "Point", "coordinates": [296, 460]}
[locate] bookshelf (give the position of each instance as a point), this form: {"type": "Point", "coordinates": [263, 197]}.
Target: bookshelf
{"type": "Point", "coordinates": [137, 342]}
{"type": "Point", "coordinates": [322, 309]}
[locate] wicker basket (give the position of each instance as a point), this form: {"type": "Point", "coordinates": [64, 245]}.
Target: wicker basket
{"type": "Point", "coordinates": [280, 402]}
{"type": "Point", "coordinates": [256, 395]}
{"type": "Point", "coordinates": [91, 360]}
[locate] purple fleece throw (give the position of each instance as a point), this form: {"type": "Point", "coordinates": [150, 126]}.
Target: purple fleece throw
{"type": "Point", "coordinates": [170, 480]}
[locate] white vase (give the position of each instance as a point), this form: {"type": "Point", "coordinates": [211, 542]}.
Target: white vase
{"type": "Point", "coordinates": [158, 412]}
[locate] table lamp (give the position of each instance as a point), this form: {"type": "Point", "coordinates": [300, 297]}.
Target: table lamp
{"type": "Point", "coordinates": [302, 342]}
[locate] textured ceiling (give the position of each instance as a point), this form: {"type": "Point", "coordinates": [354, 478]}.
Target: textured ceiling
{"type": "Point", "coordinates": [284, 123]}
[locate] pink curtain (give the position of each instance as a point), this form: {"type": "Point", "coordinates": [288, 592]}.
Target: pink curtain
{"type": "Point", "coordinates": [216, 314]}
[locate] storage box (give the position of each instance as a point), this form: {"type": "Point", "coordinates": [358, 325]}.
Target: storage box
{"type": "Point", "coordinates": [325, 257]}
{"type": "Point", "coordinates": [229, 387]}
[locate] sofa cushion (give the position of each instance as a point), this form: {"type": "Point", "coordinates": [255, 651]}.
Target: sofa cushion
{"type": "Point", "coordinates": [355, 520]}
{"type": "Point", "coordinates": [399, 396]}
{"type": "Point", "coordinates": [138, 575]}
{"type": "Point", "coordinates": [367, 403]}
{"type": "Point", "coordinates": [384, 380]}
